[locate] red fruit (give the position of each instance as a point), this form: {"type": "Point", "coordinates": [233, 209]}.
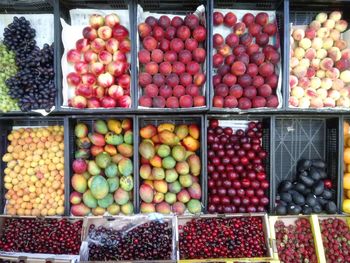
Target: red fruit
{"type": "Point", "coordinates": [120, 32]}
{"type": "Point", "coordinates": [327, 183]}
{"type": "Point", "coordinates": [244, 103]}
{"type": "Point", "coordinates": [151, 21]}
{"type": "Point", "coordinates": [108, 102]}
{"type": "Point", "coordinates": [151, 90]}
{"type": "Point", "coordinates": [89, 33]}
{"type": "Point", "coordinates": [239, 28]}
{"type": "Point", "coordinates": [90, 56]}
{"type": "Point", "coordinates": [151, 68]}
{"type": "Point", "coordinates": [145, 79]}
{"type": "Point", "coordinates": [258, 81]}
{"type": "Point", "coordinates": [221, 90]}
{"type": "Point", "coordinates": [164, 21]}
{"type": "Point", "coordinates": [164, 45]}
{"type": "Point", "coordinates": [229, 79]}
{"type": "Point", "coordinates": [165, 91]}
{"type": "Point", "coordinates": [252, 48]}
{"type": "Point", "coordinates": [272, 101]}
{"type": "Point", "coordinates": [82, 45]}
{"type": "Point", "coordinates": [265, 90]}
{"type": "Point", "coordinates": [230, 102]}
{"type": "Point", "coordinates": [248, 19]}
{"type": "Point", "coordinates": [272, 81]}
{"type": "Point", "coordinates": [186, 101]}
{"type": "Point", "coordinates": [149, 43]}
{"type": "Point", "coordinates": [238, 68]}
{"type": "Point", "coordinates": [243, 58]}
{"type": "Point", "coordinates": [230, 19]}
{"type": "Point", "coordinates": [185, 79]}
{"type": "Point", "coordinates": [252, 70]}
{"type": "Point", "coordinates": [145, 101]}
{"type": "Point", "coordinates": [232, 40]}
{"type": "Point", "coordinates": [223, 69]}
{"type": "Point", "coordinates": [192, 21]}
{"type": "Point", "coordinates": [199, 34]}
{"type": "Point", "coordinates": [124, 81]}
{"type": "Point", "coordinates": [254, 29]}
{"type": "Point", "coordinates": [249, 92]}
{"type": "Point", "coordinates": [73, 79]}
{"type": "Point", "coordinates": [236, 91]}
{"type": "Point", "coordinates": [165, 68]}
{"type": "Point", "coordinates": [73, 56]}
{"type": "Point", "coordinates": [170, 33]}
{"type": "Point", "coordinates": [93, 103]}
{"type": "Point", "coordinates": [177, 45]}
{"type": "Point", "coordinates": [266, 69]}
{"type": "Point", "coordinates": [270, 29]}
{"type": "Point", "coordinates": [115, 91]}
{"type": "Point", "coordinates": [342, 64]}
{"type": "Point", "coordinates": [179, 67]}
{"type": "Point", "coordinates": [158, 102]}
{"type": "Point", "coordinates": [124, 101]}
{"type": "Point", "coordinates": [218, 59]}
{"type": "Point", "coordinates": [199, 101]}
{"type": "Point", "coordinates": [192, 90]}
{"type": "Point", "coordinates": [79, 166]}
{"type": "Point", "coordinates": [273, 56]}
{"type": "Point", "coordinates": [216, 79]}
{"type": "Point", "coordinates": [230, 59]}
{"type": "Point", "coordinates": [172, 79]}
{"type": "Point", "coordinates": [199, 55]}
{"type": "Point", "coordinates": [245, 80]}
{"type": "Point", "coordinates": [191, 44]}
{"type": "Point", "coordinates": [246, 39]}
{"type": "Point", "coordinates": [218, 18]}
{"type": "Point", "coordinates": [240, 49]}
{"type": "Point", "coordinates": [144, 56]}
{"type": "Point", "coordinates": [199, 79]}
{"type": "Point", "coordinates": [224, 50]}
{"type": "Point", "coordinates": [81, 67]}
{"type": "Point", "coordinates": [258, 102]}
{"type": "Point", "coordinates": [157, 55]}
{"type": "Point", "coordinates": [192, 68]}
{"type": "Point", "coordinates": [119, 56]}
{"type": "Point", "coordinates": [262, 18]}
{"type": "Point", "coordinates": [262, 39]}
{"type": "Point", "coordinates": [170, 56]}
{"type": "Point", "coordinates": [172, 102]}
{"type": "Point", "coordinates": [185, 56]}
{"type": "Point", "coordinates": [218, 101]}
{"type": "Point", "coordinates": [144, 30]}
{"type": "Point", "coordinates": [158, 33]}
{"type": "Point", "coordinates": [158, 79]}
{"type": "Point", "coordinates": [88, 79]}
{"type": "Point", "coordinates": [257, 58]}
{"type": "Point", "coordinates": [179, 91]}
{"type": "Point", "coordinates": [177, 21]}
{"type": "Point", "coordinates": [84, 90]}
{"type": "Point", "coordinates": [183, 32]}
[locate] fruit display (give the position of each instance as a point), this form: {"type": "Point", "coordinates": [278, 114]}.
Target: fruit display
{"type": "Point", "coordinates": [237, 180]}
{"type": "Point", "coordinates": [231, 237]}
{"type": "Point", "coordinates": [151, 240]}
{"type": "Point", "coordinates": [34, 173]}
{"type": "Point", "coordinates": [8, 70]}
{"type": "Point", "coordinates": [346, 177]}
{"type": "Point", "coordinates": [103, 179]}
{"type": "Point", "coordinates": [101, 77]}
{"type": "Point", "coordinates": [170, 168]}
{"type": "Point", "coordinates": [310, 193]}
{"type": "Point", "coordinates": [37, 235]}
{"type": "Point", "coordinates": [171, 62]}
{"type": "Point", "coordinates": [319, 64]}
{"type": "Point", "coordinates": [33, 84]}
{"type": "Point", "coordinates": [246, 60]}
{"type": "Point", "coordinates": [336, 239]}
{"type": "Point", "coordinates": [295, 242]}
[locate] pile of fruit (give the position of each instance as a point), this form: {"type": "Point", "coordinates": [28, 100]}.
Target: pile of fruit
{"type": "Point", "coordinates": [246, 62]}
{"type": "Point", "coordinates": [320, 64]}
{"type": "Point", "coordinates": [171, 62]}
{"type": "Point", "coordinates": [34, 176]}
{"type": "Point", "coordinates": [295, 242]}
{"type": "Point", "coordinates": [170, 167]}
{"type": "Point", "coordinates": [103, 168]}
{"type": "Point", "coordinates": [147, 241]}
{"type": "Point", "coordinates": [346, 178]}
{"type": "Point", "coordinates": [237, 180]}
{"type": "Point", "coordinates": [336, 239]}
{"type": "Point", "coordinates": [37, 235]}
{"type": "Point", "coordinates": [310, 193]}
{"type": "Point", "coordinates": [33, 85]}
{"type": "Point", "coordinates": [101, 70]}
{"type": "Point", "coordinates": [235, 237]}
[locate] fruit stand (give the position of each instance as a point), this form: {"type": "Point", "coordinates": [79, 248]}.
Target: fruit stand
{"type": "Point", "coordinates": [174, 131]}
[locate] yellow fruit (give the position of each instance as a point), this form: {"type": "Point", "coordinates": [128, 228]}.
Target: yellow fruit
{"type": "Point", "coordinates": [347, 155]}
{"type": "Point", "coordinates": [346, 182]}
{"type": "Point", "coordinates": [346, 206]}
{"type": "Point", "coordinates": [346, 127]}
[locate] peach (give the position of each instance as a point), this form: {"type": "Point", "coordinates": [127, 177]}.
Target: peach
{"type": "Point", "coordinates": [199, 101]}
{"type": "Point", "coordinates": [310, 54]}
{"type": "Point", "coordinates": [334, 94]}
{"type": "Point", "coordinates": [304, 103]}
{"type": "Point", "coordinates": [326, 83]}
{"type": "Point", "coordinates": [144, 30]}
{"type": "Point", "coordinates": [330, 24]}
{"type": "Point", "coordinates": [342, 64]}
{"type": "Point", "coordinates": [298, 34]}
{"type": "Point", "coordinates": [315, 63]}
{"type": "Point", "coordinates": [315, 83]}
{"type": "Point", "coordinates": [315, 25]}
{"type": "Point", "coordinates": [320, 73]}
{"type": "Point", "coordinates": [335, 16]}
{"type": "Point", "coordinates": [326, 64]}
{"type": "Point", "coordinates": [317, 43]}
{"type": "Point", "coordinates": [152, 68]}
{"type": "Point", "coordinates": [293, 101]}
{"type": "Point", "coordinates": [323, 32]}
{"type": "Point", "coordinates": [304, 82]}
{"type": "Point", "coordinates": [305, 43]}
{"type": "Point", "coordinates": [294, 62]}
{"type": "Point", "coordinates": [345, 53]}
{"type": "Point", "coordinates": [304, 62]}
{"type": "Point", "coordinates": [338, 84]}
{"type": "Point", "coordinates": [334, 34]}
{"type": "Point", "coordinates": [310, 33]}
{"type": "Point", "coordinates": [321, 17]}
{"type": "Point", "coordinates": [322, 93]}
{"type": "Point", "coordinates": [149, 43]}
{"type": "Point", "coordinates": [341, 25]}
{"type": "Point", "coordinates": [310, 73]}
{"type": "Point", "coordinates": [328, 43]}
{"type": "Point", "coordinates": [334, 53]}
{"type": "Point", "coordinates": [329, 102]}
{"type": "Point", "coordinates": [300, 71]}
{"type": "Point", "coordinates": [333, 73]}
{"type": "Point", "coordinates": [341, 44]}
{"type": "Point", "coordinates": [321, 53]}
{"type": "Point", "coordinates": [291, 41]}
{"type": "Point", "coordinates": [293, 81]}
{"type": "Point", "coordinates": [343, 102]}
{"type": "Point", "coordinates": [344, 92]}
{"type": "Point", "coordinates": [345, 76]}
{"type": "Point", "coordinates": [299, 53]}
{"type": "Point", "coordinates": [316, 102]}
{"type": "Point", "coordinates": [310, 92]}
{"type": "Point", "coordinates": [297, 92]}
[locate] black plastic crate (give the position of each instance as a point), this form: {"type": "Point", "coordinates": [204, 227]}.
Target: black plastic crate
{"type": "Point", "coordinates": [306, 137]}
{"type": "Point", "coordinates": [302, 13]}
{"type": "Point", "coordinates": [6, 125]}
{"type": "Point", "coordinates": [181, 8]}
{"type": "Point", "coordinates": [266, 140]}
{"type": "Point", "coordinates": [64, 6]}
{"type": "Point", "coordinates": [70, 141]}
{"type": "Point", "coordinates": [144, 120]}
{"type": "Point", "coordinates": [26, 7]}
{"type": "Point", "coordinates": [342, 168]}
{"type": "Point", "coordinates": [281, 9]}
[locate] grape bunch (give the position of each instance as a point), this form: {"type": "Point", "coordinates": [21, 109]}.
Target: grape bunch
{"type": "Point", "coordinates": [33, 85]}
{"type": "Point", "coordinates": [8, 69]}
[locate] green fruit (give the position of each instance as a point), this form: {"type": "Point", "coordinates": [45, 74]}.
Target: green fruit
{"type": "Point", "coordinates": [99, 187]}
{"type": "Point", "coordinates": [170, 198]}
{"type": "Point", "coordinates": [89, 200]}
{"type": "Point", "coordinates": [179, 153]}
{"type": "Point", "coordinates": [80, 130]}
{"type": "Point", "coordinates": [128, 137]}
{"type": "Point", "coordinates": [163, 150]}
{"type": "Point", "coordinates": [186, 180]}
{"type": "Point", "coordinates": [168, 162]}
{"type": "Point", "coordinates": [93, 169]}
{"type": "Point", "coordinates": [171, 175]}
{"type": "Point", "coordinates": [79, 183]}
{"type": "Point", "coordinates": [127, 183]}
{"type": "Point", "coordinates": [194, 206]}
{"type": "Point", "coordinates": [125, 166]}
{"type": "Point", "coordinates": [100, 126]}
{"type": "Point", "coordinates": [114, 139]}
{"type": "Point", "coordinates": [175, 187]}
{"type": "Point", "coordinates": [106, 201]}
{"type": "Point", "coordinates": [82, 154]}
{"type": "Point", "coordinates": [127, 209]}
{"type": "Point", "coordinates": [113, 209]}
{"type": "Point", "coordinates": [146, 150]}
{"type": "Point", "coordinates": [83, 143]}
{"type": "Point", "coordinates": [158, 173]}
{"type": "Point", "coordinates": [103, 160]}
{"type": "Point", "coordinates": [113, 184]}
{"type": "Point", "coordinates": [111, 170]}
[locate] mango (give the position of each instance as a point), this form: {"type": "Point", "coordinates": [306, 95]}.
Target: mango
{"type": "Point", "coordinates": [110, 149]}
{"type": "Point", "coordinates": [194, 131]}
{"type": "Point", "coordinates": [75, 198]}
{"type": "Point", "coordinates": [79, 183]}
{"type": "Point", "coordinates": [97, 139]}
{"type": "Point", "coordinates": [146, 193]}
{"type": "Point", "coordinates": [128, 137]}
{"type": "Point", "coordinates": [90, 180]}
{"type": "Point", "coordinates": [195, 191]}
{"type": "Point", "coordinates": [171, 175]}
{"type": "Point", "coordinates": [149, 140]}
{"type": "Point", "coordinates": [95, 150]}
{"type": "Point", "coordinates": [156, 161]}
{"type": "Point", "coordinates": [163, 150]}
{"type": "Point", "coordinates": [185, 180]}
{"type": "Point", "coordinates": [179, 153]}
{"type": "Point", "coordinates": [111, 170]}
{"type": "Point", "coordinates": [103, 160]}
{"type": "Point", "coordinates": [168, 138]}
{"type": "Point", "coordinates": [195, 164]}
{"type": "Point", "coordinates": [160, 186]}
{"type": "Point", "coordinates": [144, 160]}
{"type": "Point", "coordinates": [163, 208]}
{"type": "Point", "coordinates": [158, 198]}
{"type": "Point", "coordinates": [117, 158]}
{"type": "Point", "coordinates": [155, 139]}
{"type": "Point", "coordinates": [114, 126]}
{"type": "Point", "coordinates": [113, 184]}
{"type": "Point", "coordinates": [183, 196]}
{"type": "Point", "coordinates": [125, 150]}
{"type": "Point", "coordinates": [114, 139]}
{"type": "Point", "coordinates": [87, 175]}
{"type": "Point", "coordinates": [99, 187]}
{"type": "Point", "coordinates": [82, 154]}
{"type": "Point", "coordinates": [89, 200]}
{"type": "Point", "coordinates": [194, 206]}
{"type": "Point", "coordinates": [83, 143]}
{"type": "Point", "coordinates": [146, 208]}
{"type": "Point", "coordinates": [158, 173]}
{"type": "Point", "coordinates": [98, 211]}
{"type": "Point", "coordinates": [182, 167]}
{"type": "Point", "coordinates": [145, 171]}
{"type": "Point", "coordinates": [166, 126]}
{"type": "Point", "coordinates": [100, 126]}
{"type": "Point", "coordinates": [127, 209]}
{"type": "Point", "coordinates": [80, 210]}
{"type": "Point", "coordinates": [127, 124]}
{"type": "Point", "coordinates": [175, 187]}
{"type": "Point", "coordinates": [149, 182]}
{"type": "Point", "coordinates": [146, 150]}
{"type": "Point", "coordinates": [113, 209]}
{"type": "Point", "coordinates": [125, 166]}
{"type": "Point", "coordinates": [188, 154]}
{"type": "Point", "coordinates": [106, 201]}
{"type": "Point", "coordinates": [178, 208]}
{"type": "Point", "coordinates": [170, 198]}
{"type": "Point", "coordinates": [168, 162]}
{"type": "Point", "coordinates": [190, 144]}
{"type": "Point", "coordinates": [126, 183]}
{"type": "Point", "coordinates": [81, 130]}
{"type": "Point", "coordinates": [121, 197]}
{"type": "Point", "coordinates": [148, 131]}
{"type": "Point", "coordinates": [181, 131]}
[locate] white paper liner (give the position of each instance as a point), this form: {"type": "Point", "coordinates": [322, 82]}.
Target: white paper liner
{"type": "Point", "coordinates": [224, 31]}
{"type": "Point", "coordinates": [33, 256]}
{"type": "Point", "coordinates": [44, 34]}
{"type": "Point", "coordinates": [346, 36]}
{"type": "Point", "coordinates": [72, 33]}
{"type": "Point", "coordinates": [141, 17]}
